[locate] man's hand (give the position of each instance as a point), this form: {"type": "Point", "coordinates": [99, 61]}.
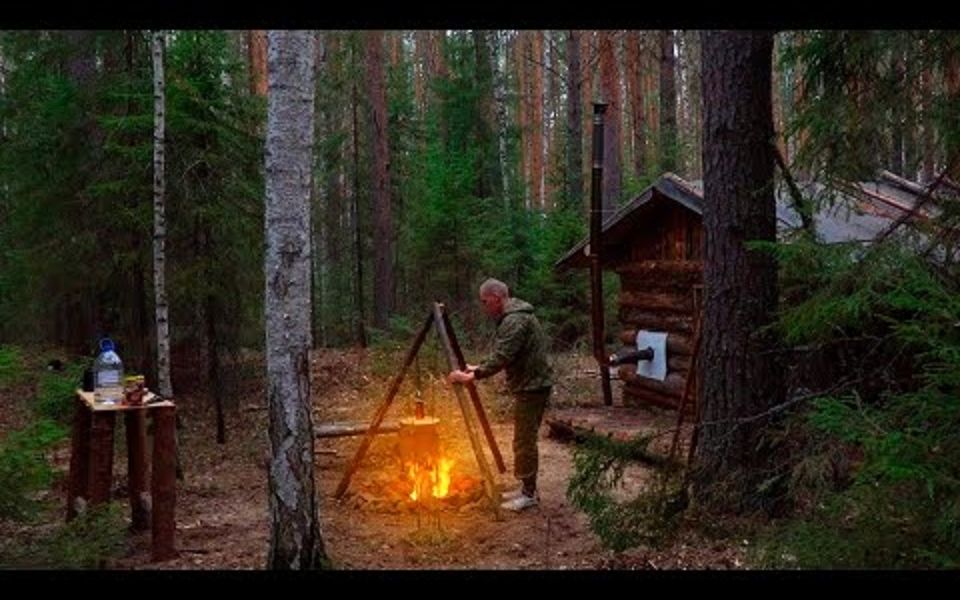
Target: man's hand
{"type": "Point", "coordinates": [461, 376]}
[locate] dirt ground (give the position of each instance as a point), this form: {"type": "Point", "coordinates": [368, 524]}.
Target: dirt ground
{"type": "Point", "coordinates": [222, 514]}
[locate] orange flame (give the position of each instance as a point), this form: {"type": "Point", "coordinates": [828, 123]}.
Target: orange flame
{"type": "Point", "coordinates": [441, 478]}
{"type": "Point", "coordinates": [437, 479]}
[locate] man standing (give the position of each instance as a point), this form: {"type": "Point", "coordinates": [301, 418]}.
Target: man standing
{"type": "Point", "coordinates": [520, 348]}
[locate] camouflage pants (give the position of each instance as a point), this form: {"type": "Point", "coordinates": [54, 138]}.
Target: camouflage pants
{"type": "Point", "coordinates": [528, 408]}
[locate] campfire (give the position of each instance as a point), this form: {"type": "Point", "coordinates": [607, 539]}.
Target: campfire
{"type": "Point", "coordinates": [419, 450]}
{"type": "Point", "coordinates": [421, 474]}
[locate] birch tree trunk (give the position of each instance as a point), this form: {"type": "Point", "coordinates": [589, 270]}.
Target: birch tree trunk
{"type": "Point", "coordinates": [164, 385]}
{"type": "Point", "coordinates": [295, 540]}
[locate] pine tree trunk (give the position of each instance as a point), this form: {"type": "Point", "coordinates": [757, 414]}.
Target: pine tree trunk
{"type": "Point", "coordinates": [896, 127]}
{"type": "Point", "coordinates": [635, 101]}
{"type": "Point", "coordinates": [668, 102]}
{"type": "Point", "coordinates": [214, 378]}
{"type": "Point", "coordinates": [610, 84]}
{"type": "Point", "coordinates": [382, 211]}
{"type": "Point", "coordinates": [500, 96]}
{"type": "Point", "coordinates": [952, 84]}
{"type": "Point", "coordinates": [588, 70]}
{"type": "Point", "coordinates": [257, 47]}
{"type": "Point", "coordinates": [330, 122]}
{"type": "Point", "coordinates": [521, 51]}
{"type": "Point", "coordinates": [693, 106]}
{"type": "Point", "coordinates": [927, 149]}
{"type": "Point", "coordinates": [741, 374]}
{"type": "Point", "coordinates": [357, 240]}
{"type": "Point", "coordinates": [164, 385]}
{"type": "Point", "coordinates": [485, 176]}
{"type": "Point", "coordinates": [536, 120]}
{"type": "Point", "coordinates": [295, 541]}
{"type": "Point", "coordinates": [650, 50]}
{"type": "Point", "coordinates": [574, 123]}
{"type": "Point", "coordinates": [319, 268]}
{"type": "Point", "coordinates": [421, 68]}
{"type": "Point", "coordinates": [394, 40]}
{"type": "Point", "coordinates": [551, 100]}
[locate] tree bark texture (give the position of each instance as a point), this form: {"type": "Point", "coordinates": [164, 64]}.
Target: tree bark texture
{"type": "Point", "coordinates": [382, 209]}
{"type": "Point", "coordinates": [741, 375]}
{"type": "Point", "coordinates": [164, 384]}
{"type": "Point", "coordinates": [631, 74]}
{"type": "Point", "coordinates": [668, 102]}
{"type": "Point", "coordinates": [574, 123]}
{"type": "Point", "coordinates": [610, 87]}
{"type": "Point", "coordinates": [257, 49]}
{"type": "Point", "coordinates": [295, 540]}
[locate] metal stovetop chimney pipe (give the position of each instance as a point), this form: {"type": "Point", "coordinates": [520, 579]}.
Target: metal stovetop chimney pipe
{"type": "Point", "coordinates": [596, 276]}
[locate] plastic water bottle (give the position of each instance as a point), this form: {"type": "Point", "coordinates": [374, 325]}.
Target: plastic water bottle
{"type": "Point", "coordinates": [108, 374]}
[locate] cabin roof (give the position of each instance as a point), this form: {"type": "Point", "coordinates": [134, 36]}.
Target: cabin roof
{"type": "Point", "coordinates": [851, 212]}
{"type": "Point", "coordinates": [668, 188]}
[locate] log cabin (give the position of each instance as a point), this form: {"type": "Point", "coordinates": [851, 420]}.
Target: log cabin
{"type": "Point", "coordinates": [654, 242]}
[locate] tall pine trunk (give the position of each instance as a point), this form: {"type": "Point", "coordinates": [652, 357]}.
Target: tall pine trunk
{"type": "Point", "coordinates": [952, 134]}
{"type": "Point", "coordinates": [574, 123]}
{"type": "Point", "coordinates": [257, 54]}
{"type": "Point", "coordinates": [610, 86]}
{"type": "Point", "coordinates": [521, 50]}
{"type": "Point", "coordinates": [295, 541]}
{"type": "Point", "coordinates": [500, 97]}
{"type": "Point", "coordinates": [164, 385]}
{"type": "Point", "coordinates": [635, 101]}
{"type": "Point", "coordinates": [535, 63]}
{"type": "Point", "coordinates": [668, 102]}
{"type": "Point", "coordinates": [741, 374]}
{"type": "Point", "coordinates": [927, 149]}
{"type": "Point", "coordinates": [382, 209]}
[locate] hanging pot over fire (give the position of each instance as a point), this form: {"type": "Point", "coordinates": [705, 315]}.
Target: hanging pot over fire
{"type": "Point", "coordinates": [420, 453]}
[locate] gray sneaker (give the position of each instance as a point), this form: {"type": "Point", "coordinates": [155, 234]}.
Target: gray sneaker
{"type": "Point", "coordinates": [519, 503]}
{"type": "Point", "coordinates": [511, 494]}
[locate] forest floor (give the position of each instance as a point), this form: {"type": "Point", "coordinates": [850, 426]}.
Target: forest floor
{"type": "Point", "coordinates": [222, 507]}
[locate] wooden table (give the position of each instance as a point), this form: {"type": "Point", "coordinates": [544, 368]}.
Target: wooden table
{"type": "Point", "coordinates": [91, 464]}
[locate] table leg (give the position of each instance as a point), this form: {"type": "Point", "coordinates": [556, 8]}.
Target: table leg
{"type": "Point", "coordinates": [101, 456]}
{"type": "Point", "coordinates": [164, 483]}
{"type": "Point", "coordinates": [79, 481]}
{"type": "Point", "coordinates": [136, 428]}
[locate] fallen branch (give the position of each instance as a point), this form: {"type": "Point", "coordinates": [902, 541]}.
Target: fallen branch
{"type": "Point", "coordinates": [347, 429]}
{"type": "Point", "coordinates": [566, 432]}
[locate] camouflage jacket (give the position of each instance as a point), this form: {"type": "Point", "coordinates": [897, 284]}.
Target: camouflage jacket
{"type": "Point", "coordinates": [520, 348]}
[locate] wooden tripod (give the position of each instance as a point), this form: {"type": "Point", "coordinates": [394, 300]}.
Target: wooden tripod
{"type": "Point", "coordinates": [438, 318]}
